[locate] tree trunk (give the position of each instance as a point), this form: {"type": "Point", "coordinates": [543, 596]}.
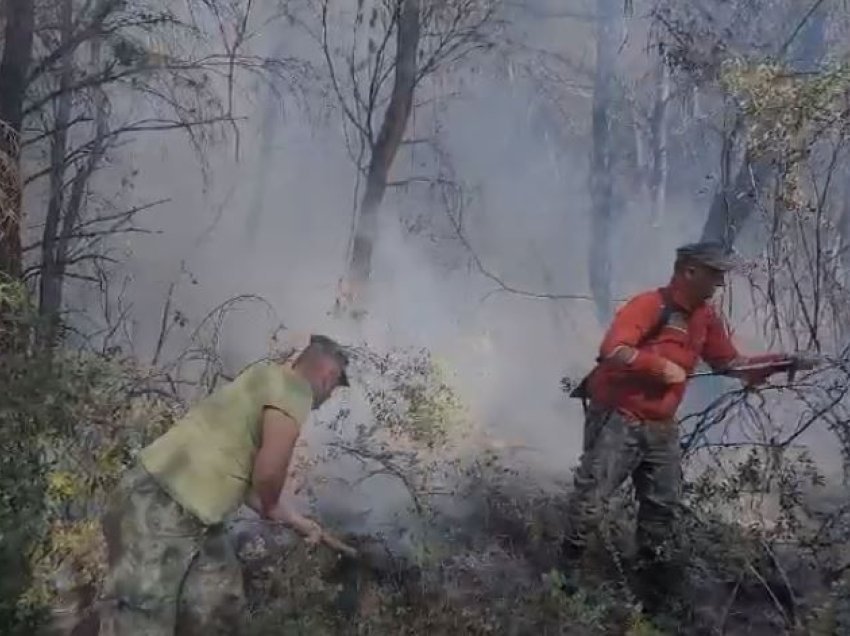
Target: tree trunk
{"type": "Point", "coordinates": [74, 207]}
{"type": "Point", "coordinates": [79, 186]}
{"type": "Point", "coordinates": [50, 282]}
{"type": "Point", "coordinates": [842, 248]}
{"type": "Point", "coordinates": [17, 54]}
{"type": "Point", "coordinates": [556, 309]}
{"type": "Point", "coordinates": [733, 203]}
{"type": "Point", "coordinates": [268, 131]}
{"type": "Point", "coordinates": [810, 46]}
{"type": "Point", "coordinates": [601, 163]}
{"type": "Point", "coordinates": [658, 176]}
{"type": "Point", "coordinates": [385, 148]}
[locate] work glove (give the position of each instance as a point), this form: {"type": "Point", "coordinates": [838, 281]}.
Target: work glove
{"type": "Point", "coordinates": [672, 373]}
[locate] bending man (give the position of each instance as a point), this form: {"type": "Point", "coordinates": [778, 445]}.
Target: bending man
{"type": "Point", "coordinates": [169, 555]}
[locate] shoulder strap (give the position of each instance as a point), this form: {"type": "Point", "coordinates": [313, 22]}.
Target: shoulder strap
{"type": "Point", "coordinates": [667, 310]}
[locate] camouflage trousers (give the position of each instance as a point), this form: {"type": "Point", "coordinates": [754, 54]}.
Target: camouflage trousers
{"type": "Point", "coordinates": [168, 573]}
{"type": "Point", "coordinates": [615, 449]}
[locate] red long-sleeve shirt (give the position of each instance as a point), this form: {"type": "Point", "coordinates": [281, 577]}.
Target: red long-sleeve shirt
{"type": "Point", "coordinates": [691, 333]}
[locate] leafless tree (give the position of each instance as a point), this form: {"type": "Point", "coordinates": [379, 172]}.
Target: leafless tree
{"type": "Point", "coordinates": [14, 67]}
{"type": "Point", "coordinates": [609, 15]}
{"type": "Point", "coordinates": [98, 74]}
{"type": "Point", "coordinates": [659, 134]}
{"type": "Point", "coordinates": [390, 47]}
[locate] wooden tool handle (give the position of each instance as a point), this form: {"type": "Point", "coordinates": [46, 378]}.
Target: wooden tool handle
{"type": "Point", "coordinates": [338, 545]}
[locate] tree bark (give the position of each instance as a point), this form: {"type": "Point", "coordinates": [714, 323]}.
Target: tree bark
{"type": "Point", "coordinates": [385, 148]}
{"type": "Point", "coordinates": [733, 203]}
{"type": "Point", "coordinates": [50, 283]}
{"type": "Point", "coordinates": [658, 176]}
{"type": "Point", "coordinates": [76, 201]}
{"type": "Point", "coordinates": [17, 55]}
{"type": "Point", "coordinates": [601, 162]}
{"type": "Point", "coordinates": [810, 47]}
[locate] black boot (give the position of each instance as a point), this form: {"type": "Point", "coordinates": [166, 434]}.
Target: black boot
{"type": "Point", "coordinates": [570, 563]}
{"type": "Point", "coordinates": [661, 586]}
{"type": "Point", "coordinates": [572, 551]}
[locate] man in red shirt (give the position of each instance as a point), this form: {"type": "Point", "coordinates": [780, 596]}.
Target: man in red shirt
{"type": "Point", "coordinates": [654, 343]}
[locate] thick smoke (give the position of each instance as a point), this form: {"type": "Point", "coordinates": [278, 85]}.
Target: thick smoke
{"type": "Point", "coordinates": [276, 222]}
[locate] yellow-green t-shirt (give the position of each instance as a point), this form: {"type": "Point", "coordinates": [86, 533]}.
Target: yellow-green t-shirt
{"type": "Point", "coordinates": [205, 460]}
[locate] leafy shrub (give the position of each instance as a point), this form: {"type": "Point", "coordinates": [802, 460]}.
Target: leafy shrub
{"type": "Point", "coordinates": [69, 423]}
{"type": "Point", "coordinates": [484, 560]}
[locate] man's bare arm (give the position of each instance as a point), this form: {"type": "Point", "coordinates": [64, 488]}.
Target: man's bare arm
{"type": "Point", "coordinates": [271, 464]}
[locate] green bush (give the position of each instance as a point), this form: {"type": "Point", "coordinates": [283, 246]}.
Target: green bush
{"type": "Point", "coordinates": [69, 423]}
{"type": "Point", "coordinates": [480, 544]}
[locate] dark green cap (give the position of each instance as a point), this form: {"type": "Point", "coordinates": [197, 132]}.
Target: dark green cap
{"type": "Point", "coordinates": [709, 253]}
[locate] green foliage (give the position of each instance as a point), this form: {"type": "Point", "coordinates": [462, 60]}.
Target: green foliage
{"type": "Point", "coordinates": [310, 593]}
{"type": "Point", "coordinates": [413, 427]}
{"type": "Point", "coordinates": [409, 395]}
{"type": "Point", "coordinates": [68, 426]}
{"type": "Point", "coordinates": [72, 422]}
{"type": "Point", "coordinates": [784, 108]}
{"type": "Point", "coordinates": [786, 113]}
{"type": "Point", "coordinates": [24, 413]}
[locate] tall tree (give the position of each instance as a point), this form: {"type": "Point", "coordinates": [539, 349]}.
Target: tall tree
{"type": "Point", "coordinates": [49, 282]}
{"type": "Point", "coordinates": [392, 46]}
{"type": "Point", "coordinates": [14, 67]}
{"type": "Point", "coordinates": [385, 148]}
{"type": "Point", "coordinates": [735, 200]}
{"type": "Point", "coordinates": [658, 138]}
{"type": "Point", "coordinates": [74, 92]}
{"type": "Point", "coordinates": [601, 157]}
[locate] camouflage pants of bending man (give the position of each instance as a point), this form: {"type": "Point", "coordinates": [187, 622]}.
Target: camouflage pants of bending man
{"type": "Point", "coordinates": [614, 450]}
{"type": "Point", "coordinates": [168, 573]}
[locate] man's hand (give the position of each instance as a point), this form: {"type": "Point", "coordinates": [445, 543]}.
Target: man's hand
{"type": "Point", "coordinates": [306, 527]}
{"type": "Point", "coordinates": [271, 463]}
{"type": "Point", "coordinates": [311, 530]}
{"type": "Point", "coordinates": [629, 357]}
{"type": "Point", "coordinates": [672, 373]}
{"type": "Point", "coordinates": [755, 378]}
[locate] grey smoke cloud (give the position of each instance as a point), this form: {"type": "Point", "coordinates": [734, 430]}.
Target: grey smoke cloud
{"type": "Point", "coordinates": [276, 223]}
